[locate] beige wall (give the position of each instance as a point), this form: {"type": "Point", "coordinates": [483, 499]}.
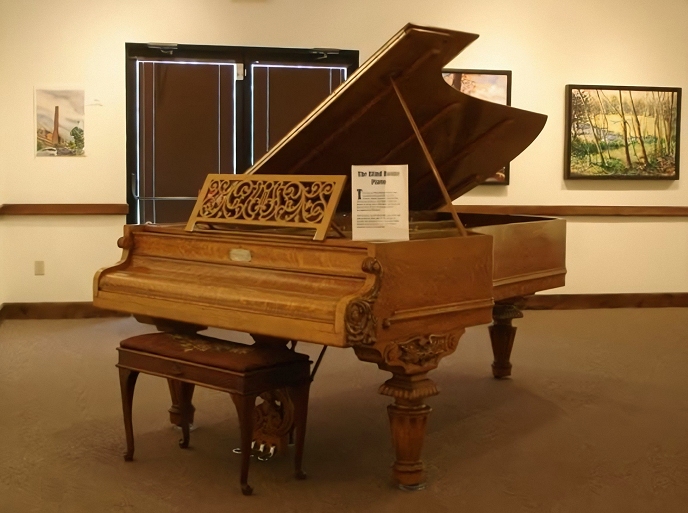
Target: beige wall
{"type": "Point", "coordinates": [546, 43]}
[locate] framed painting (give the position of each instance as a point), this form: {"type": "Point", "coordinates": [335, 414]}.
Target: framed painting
{"type": "Point", "coordinates": [59, 122]}
{"type": "Point", "coordinates": [491, 85]}
{"type": "Point", "coordinates": [622, 132]}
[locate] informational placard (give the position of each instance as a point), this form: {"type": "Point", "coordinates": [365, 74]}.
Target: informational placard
{"type": "Point", "coordinates": [379, 203]}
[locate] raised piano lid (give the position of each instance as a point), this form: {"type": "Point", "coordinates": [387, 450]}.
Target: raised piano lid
{"type": "Point", "coordinates": [363, 122]}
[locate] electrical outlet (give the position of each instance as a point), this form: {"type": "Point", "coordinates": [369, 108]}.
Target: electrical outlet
{"type": "Point", "coordinates": [39, 268]}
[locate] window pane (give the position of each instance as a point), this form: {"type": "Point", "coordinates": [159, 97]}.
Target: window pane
{"type": "Point", "coordinates": [166, 210]}
{"type": "Point", "coordinates": [187, 123]}
{"type": "Point", "coordinates": [283, 96]}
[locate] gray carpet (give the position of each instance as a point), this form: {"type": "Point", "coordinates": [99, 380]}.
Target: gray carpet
{"type": "Point", "coordinates": [594, 419]}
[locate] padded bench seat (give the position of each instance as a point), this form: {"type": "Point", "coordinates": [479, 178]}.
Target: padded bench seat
{"type": "Point", "coordinates": [244, 371]}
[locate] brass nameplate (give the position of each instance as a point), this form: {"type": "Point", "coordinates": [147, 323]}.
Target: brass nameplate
{"type": "Point", "coordinates": [240, 255]}
{"type": "Point", "coordinates": [297, 201]}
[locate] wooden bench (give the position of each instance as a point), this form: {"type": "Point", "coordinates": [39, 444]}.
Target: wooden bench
{"type": "Point", "coordinates": [245, 371]}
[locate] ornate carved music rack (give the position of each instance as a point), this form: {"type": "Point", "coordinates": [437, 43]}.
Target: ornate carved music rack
{"type": "Point", "coordinates": [269, 200]}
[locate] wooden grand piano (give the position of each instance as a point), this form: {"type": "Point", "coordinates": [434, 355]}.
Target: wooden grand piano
{"type": "Point", "coordinates": [402, 305]}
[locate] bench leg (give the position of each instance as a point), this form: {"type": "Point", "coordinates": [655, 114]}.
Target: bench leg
{"type": "Point", "coordinates": [186, 410]}
{"type": "Point", "coordinates": [300, 398]}
{"type": "Point", "coordinates": [127, 382]}
{"type": "Point", "coordinates": [245, 404]}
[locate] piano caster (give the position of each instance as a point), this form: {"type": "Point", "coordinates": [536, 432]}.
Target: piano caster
{"type": "Point", "coordinates": [300, 475]}
{"type": "Point", "coordinates": [192, 427]}
{"type": "Point", "coordinates": [411, 488]}
{"type": "Point", "coordinates": [501, 371]}
{"type": "Point", "coordinates": [129, 456]}
{"type": "Point", "coordinates": [246, 489]}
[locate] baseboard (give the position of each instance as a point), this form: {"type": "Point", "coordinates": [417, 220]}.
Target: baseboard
{"type": "Point", "coordinates": [85, 309]}
{"type": "Point", "coordinates": [593, 301]}
{"type": "Point", "coordinates": [67, 310]}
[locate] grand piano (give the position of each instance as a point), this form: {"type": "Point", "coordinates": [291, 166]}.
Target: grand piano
{"type": "Point", "coordinates": [401, 305]}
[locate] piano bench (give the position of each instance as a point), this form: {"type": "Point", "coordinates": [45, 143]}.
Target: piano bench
{"type": "Point", "coordinates": [245, 371]}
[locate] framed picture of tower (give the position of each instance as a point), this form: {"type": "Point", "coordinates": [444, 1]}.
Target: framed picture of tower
{"type": "Point", "coordinates": [622, 132]}
{"type": "Point", "coordinates": [59, 117]}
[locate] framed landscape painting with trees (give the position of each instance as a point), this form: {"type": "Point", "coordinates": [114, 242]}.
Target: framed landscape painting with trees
{"type": "Point", "coordinates": [491, 85]}
{"type": "Point", "coordinates": [618, 132]}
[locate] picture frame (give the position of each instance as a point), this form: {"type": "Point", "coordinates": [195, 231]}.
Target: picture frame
{"type": "Point", "coordinates": [622, 132]}
{"type": "Point", "coordinates": [59, 122]}
{"type": "Point", "coordinates": [490, 85]}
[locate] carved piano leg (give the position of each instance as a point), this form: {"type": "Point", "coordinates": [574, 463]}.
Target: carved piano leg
{"type": "Point", "coordinates": [177, 395]}
{"type": "Point", "coordinates": [408, 417]}
{"type": "Point", "coordinates": [409, 361]}
{"type": "Point", "coordinates": [185, 392]}
{"type": "Point", "coordinates": [502, 335]}
{"type": "Point", "coordinates": [182, 328]}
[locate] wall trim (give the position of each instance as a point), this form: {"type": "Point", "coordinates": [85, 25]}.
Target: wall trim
{"type": "Point", "coordinates": [61, 209]}
{"type": "Point", "coordinates": [594, 301]}
{"type": "Point", "coordinates": [27, 209]}
{"type": "Point", "coordinates": [85, 309]}
{"type": "Point", "coordinates": [66, 310]}
{"type": "Point", "coordinates": [574, 210]}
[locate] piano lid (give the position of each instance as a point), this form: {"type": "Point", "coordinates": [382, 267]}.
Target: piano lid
{"type": "Point", "coordinates": [363, 123]}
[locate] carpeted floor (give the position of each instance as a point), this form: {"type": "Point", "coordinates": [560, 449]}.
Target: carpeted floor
{"type": "Point", "coordinates": [595, 419]}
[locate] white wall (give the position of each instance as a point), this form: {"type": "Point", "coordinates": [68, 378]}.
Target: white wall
{"type": "Point", "coordinates": [72, 248]}
{"type": "Point", "coordinates": [546, 43]}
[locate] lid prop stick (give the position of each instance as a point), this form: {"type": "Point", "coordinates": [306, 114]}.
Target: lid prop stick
{"type": "Point", "coordinates": [428, 157]}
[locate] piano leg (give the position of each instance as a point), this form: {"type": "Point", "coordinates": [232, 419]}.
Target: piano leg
{"type": "Point", "coordinates": [182, 328]}
{"type": "Point", "coordinates": [185, 391]}
{"type": "Point", "coordinates": [502, 335]}
{"type": "Point", "coordinates": [408, 418]}
{"type": "Point", "coordinates": [409, 360]}
{"type": "Point", "coordinates": [177, 395]}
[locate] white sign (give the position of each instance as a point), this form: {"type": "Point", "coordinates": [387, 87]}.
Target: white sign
{"type": "Point", "coordinates": [379, 202]}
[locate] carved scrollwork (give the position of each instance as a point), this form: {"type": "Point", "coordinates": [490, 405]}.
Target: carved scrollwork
{"type": "Point", "coordinates": [274, 417]}
{"type": "Point", "coordinates": [422, 351]}
{"type": "Point", "coordinates": [359, 319]}
{"type": "Point", "coordinates": [268, 200]}
{"type": "Point", "coordinates": [263, 200]}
